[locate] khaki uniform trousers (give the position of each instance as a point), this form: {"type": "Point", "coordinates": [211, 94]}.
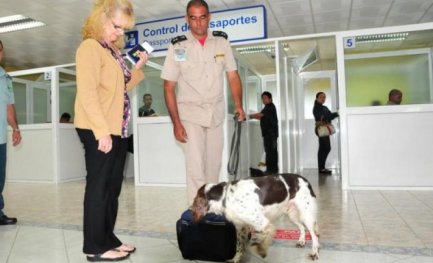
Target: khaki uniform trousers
{"type": "Point", "coordinates": [203, 154]}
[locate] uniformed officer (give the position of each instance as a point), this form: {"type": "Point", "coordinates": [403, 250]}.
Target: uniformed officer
{"type": "Point", "coordinates": [7, 116]}
{"type": "Point", "coordinates": [197, 62]}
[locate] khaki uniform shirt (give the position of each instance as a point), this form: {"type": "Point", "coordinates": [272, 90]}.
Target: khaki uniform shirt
{"type": "Point", "coordinates": [199, 71]}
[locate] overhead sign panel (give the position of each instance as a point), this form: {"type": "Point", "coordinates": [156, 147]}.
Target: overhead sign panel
{"type": "Point", "coordinates": [241, 24]}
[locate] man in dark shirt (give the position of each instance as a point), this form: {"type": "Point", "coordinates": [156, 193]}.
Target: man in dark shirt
{"type": "Point", "coordinates": [269, 126]}
{"type": "Point", "coordinates": [146, 110]}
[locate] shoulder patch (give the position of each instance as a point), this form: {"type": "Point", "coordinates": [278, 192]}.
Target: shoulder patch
{"type": "Point", "coordinates": [220, 34]}
{"type": "Point", "coordinates": [178, 39]}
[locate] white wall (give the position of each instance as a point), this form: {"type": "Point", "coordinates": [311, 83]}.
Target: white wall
{"type": "Point", "coordinates": [390, 149]}
{"type": "Point", "coordinates": [34, 159]}
{"type": "Point", "coordinates": [160, 158]}
{"type": "Point", "coordinates": [71, 154]}
{"type": "Point", "coordinates": [31, 160]}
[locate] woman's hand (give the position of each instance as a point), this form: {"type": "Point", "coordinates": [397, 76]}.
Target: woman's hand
{"type": "Point", "coordinates": [105, 144]}
{"type": "Point", "coordinates": [143, 60]}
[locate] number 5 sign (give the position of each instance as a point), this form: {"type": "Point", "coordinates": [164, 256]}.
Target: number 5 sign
{"type": "Point", "coordinates": [349, 42]}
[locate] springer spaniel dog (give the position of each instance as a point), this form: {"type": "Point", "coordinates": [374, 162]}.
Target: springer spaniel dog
{"type": "Point", "coordinates": [253, 204]}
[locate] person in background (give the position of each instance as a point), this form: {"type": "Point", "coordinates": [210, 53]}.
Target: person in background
{"type": "Point", "coordinates": [146, 110]}
{"type": "Point", "coordinates": [102, 113]}
{"type": "Point", "coordinates": [322, 113]}
{"type": "Point", "coordinates": [269, 126]}
{"type": "Point", "coordinates": [394, 97]}
{"type": "Point", "coordinates": [197, 61]}
{"type": "Point", "coordinates": [7, 116]}
{"type": "Point", "coordinates": [65, 118]}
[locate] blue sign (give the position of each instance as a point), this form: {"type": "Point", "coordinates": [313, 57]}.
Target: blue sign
{"type": "Point", "coordinates": [241, 24]}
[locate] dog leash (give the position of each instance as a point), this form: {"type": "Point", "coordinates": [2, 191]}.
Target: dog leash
{"type": "Point", "coordinates": [232, 166]}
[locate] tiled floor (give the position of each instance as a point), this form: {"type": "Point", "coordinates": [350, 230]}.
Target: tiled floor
{"type": "Point", "coordinates": [356, 226]}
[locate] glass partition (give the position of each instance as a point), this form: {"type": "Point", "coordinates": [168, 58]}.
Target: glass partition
{"type": "Point", "coordinates": [67, 93]}
{"type": "Point", "coordinates": [41, 107]}
{"type": "Point", "coordinates": [32, 98]}
{"type": "Point", "coordinates": [243, 76]}
{"type": "Point", "coordinates": [254, 61]}
{"type": "Point", "coordinates": [253, 92]}
{"type": "Point", "coordinates": [310, 54]}
{"type": "Point", "coordinates": [260, 58]}
{"type": "Point", "coordinates": [20, 94]}
{"type": "Point", "coordinates": [153, 88]}
{"type": "Point", "coordinates": [377, 64]}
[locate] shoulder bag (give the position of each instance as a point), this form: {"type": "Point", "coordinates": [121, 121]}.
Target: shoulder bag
{"type": "Point", "coordinates": [324, 128]}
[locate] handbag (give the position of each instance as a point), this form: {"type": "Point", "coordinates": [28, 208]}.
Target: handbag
{"type": "Point", "coordinates": [324, 129]}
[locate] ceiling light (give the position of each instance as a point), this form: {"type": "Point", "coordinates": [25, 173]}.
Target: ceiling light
{"type": "Point", "coordinates": [381, 38]}
{"type": "Point", "coordinates": [255, 49]}
{"type": "Point", "coordinates": [260, 49]}
{"type": "Point", "coordinates": [17, 22]}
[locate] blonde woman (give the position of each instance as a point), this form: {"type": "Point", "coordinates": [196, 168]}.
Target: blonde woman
{"type": "Point", "coordinates": [102, 114]}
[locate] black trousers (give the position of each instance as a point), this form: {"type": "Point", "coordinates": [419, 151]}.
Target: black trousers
{"type": "Point", "coordinates": [324, 149]}
{"type": "Point", "coordinates": [103, 185]}
{"type": "Point", "coordinates": [271, 151]}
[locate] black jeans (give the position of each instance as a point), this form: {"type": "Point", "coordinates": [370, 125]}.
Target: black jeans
{"type": "Point", "coordinates": [103, 185]}
{"type": "Point", "coordinates": [271, 150]}
{"type": "Point", "coordinates": [324, 149]}
{"type": "Point", "coordinates": [2, 174]}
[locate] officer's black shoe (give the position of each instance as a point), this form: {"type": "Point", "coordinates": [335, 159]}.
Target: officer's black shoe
{"type": "Point", "coordinates": [325, 171]}
{"type": "Point", "coordinates": [267, 172]}
{"type": "Point", "coordinates": [4, 220]}
{"type": "Point", "coordinates": [256, 172]}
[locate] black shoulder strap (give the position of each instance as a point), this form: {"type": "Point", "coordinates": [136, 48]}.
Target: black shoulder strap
{"type": "Point", "coordinates": [178, 39]}
{"type": "Point", "coordinates": [220, 34]}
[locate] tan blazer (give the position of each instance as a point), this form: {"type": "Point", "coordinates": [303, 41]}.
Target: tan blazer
{"type": "Point", "coordinates": [100, 90]}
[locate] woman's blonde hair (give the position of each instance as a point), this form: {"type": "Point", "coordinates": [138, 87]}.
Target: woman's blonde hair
{"type": "Point", "coordinates": [105, 9]}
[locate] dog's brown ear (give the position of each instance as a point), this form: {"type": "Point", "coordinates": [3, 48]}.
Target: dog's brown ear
{"type": "Point", "coordinates": [200, 206]}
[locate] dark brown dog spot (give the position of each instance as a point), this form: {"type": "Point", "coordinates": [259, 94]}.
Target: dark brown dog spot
{"type": "Point", "coordinates": [271, 190]}
{"type": "Point", "coordinates": [216, 192]}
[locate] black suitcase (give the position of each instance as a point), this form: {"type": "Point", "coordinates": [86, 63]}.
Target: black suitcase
{"type": "Point", "coordinates": [211, 239]}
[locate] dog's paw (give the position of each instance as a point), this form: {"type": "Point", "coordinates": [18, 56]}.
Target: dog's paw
{"type": "Point", "coordinates": [313, 256]}
{"type": "Point", "coordinates": [259, 250]}
{"type": "Point", "coordinates": [300, 244]}
{"type": "Point", "coordinates": [262, 251]}
{"type": "Point", "coordinates": [236, 259]}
